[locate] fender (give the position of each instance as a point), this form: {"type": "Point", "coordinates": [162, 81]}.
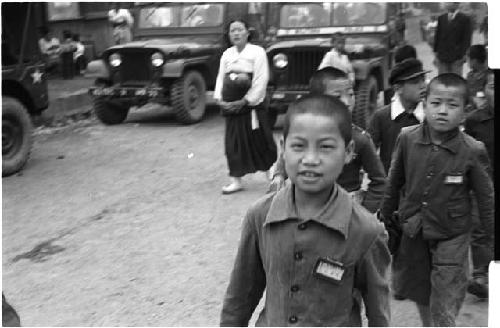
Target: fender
{"type": "Point", "coordinates": [97, 69]}
{"type": "Point", "coordinates": [175, 67]}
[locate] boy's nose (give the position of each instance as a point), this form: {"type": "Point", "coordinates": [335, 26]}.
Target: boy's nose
{"type": "Point", "coordinates": [310, 158]}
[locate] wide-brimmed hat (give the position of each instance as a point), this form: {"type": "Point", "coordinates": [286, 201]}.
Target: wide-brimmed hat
{"type": "Point", "coordinates": [406, 70]}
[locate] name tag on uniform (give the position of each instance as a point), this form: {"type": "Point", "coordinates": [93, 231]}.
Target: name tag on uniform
{"type": "Point", "coordinates": [329, 269]}
{"type": "Point", "coordinates": [454, 179]}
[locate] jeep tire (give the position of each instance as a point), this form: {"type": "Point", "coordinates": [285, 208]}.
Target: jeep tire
{"type": "Point", "coordinates": [366, 102]}
{"type": "Point", "coordinates": [110, 112]}
{"type": "Point", "coordinates": [17, 135]}
{"type": "Point", "coordinates": [188, 97]}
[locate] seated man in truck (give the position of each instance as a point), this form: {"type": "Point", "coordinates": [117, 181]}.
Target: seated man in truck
{"type": "Point", "coordinates": [50, 48]}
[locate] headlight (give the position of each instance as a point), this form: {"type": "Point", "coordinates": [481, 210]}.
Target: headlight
{"type": "Point", "coordinates": [280, 61]}
{"type": "Point", "coordinates": [115, 60]}
{"type": "Point", "coordinates": [157, 59]}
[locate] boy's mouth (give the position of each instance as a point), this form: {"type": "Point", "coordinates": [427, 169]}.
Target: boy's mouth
{"type": "Point", "coordinates": [310, 174]}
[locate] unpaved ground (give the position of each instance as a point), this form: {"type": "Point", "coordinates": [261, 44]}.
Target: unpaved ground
{"type": "Point", "coordinates": [126, 226]}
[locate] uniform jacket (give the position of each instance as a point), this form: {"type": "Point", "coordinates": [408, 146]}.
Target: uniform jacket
{"type": "Point", "coordinates": [436, 181]}
{"type": "Point", "coordinates": [350, 179]}
{"type": "Point", "coordinates": [279, 250]}
{"type": "Point", "coordinates": [384, 131]}
{"type": "Point", "coordinates": [452, 38]}
{"type": "Point", "coordinates": [480, 124]}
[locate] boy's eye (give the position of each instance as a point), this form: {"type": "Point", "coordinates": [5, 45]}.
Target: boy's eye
{"type": "Point", "coordinates": [327, 146]}
{"type": "Point", "coordinates": [296, 146]}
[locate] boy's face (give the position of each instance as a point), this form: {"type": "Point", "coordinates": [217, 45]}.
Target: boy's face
{"type": "Point", "coordinates": [489, 90]}
{"type": "Point", "coordinates": [444, 108]}
{"type": "Point", "coordinates": [341, 89]}
{"type": "Point", "coordinates": [315, 152]}
{"type": "Point", "coordinates": [412, 90]}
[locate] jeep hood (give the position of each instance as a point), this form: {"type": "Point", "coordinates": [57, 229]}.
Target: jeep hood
{"type": "Point", "coordinates": [312, 42]}
{"type": "Point", "coordinates": [172, 44]}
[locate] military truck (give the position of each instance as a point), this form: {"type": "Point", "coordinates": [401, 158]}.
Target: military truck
{"type": "Point", "coordinates": [24, 87]}
{"type": "Point", "coordinates": [302, 36]}
{"type": "Point", "coordinates": [173, 59]}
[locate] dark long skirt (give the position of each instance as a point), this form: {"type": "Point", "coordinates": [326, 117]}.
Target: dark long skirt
{"type": "Point", "coordinates": [247, 150]}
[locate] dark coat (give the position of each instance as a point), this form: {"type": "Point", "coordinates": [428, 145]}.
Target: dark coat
{"type": "Point", "coordinates": [453, 38]}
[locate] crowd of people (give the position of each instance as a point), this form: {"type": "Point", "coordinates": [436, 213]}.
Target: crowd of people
{"type": "Point", "coordinates": [318, 244]}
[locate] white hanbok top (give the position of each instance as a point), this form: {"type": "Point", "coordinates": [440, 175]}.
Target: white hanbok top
{"type": "Point", "coordinates": [252, 59]}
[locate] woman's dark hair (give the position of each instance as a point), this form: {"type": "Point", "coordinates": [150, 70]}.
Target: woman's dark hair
{"type": "Point", "coordinates": [450, 80]}
{"type": "Point", "coordinates": [43, 30]}
{"type": "Point", "coordinates": [323, 105]}
{"type": "Point", "coordinates": [244, 22]}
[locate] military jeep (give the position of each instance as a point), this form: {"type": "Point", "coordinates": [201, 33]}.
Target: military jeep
{"type": "Point", "coordinates": [24, 85]}
{"type": "Point", "coordinates": [173, 59]}
{"type": "Point", "coordinates": [302, 37]}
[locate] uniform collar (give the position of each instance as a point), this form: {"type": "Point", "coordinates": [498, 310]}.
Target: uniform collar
{"type": "Point", "coordinates": [398, 109]}
{"type": "Point", "coordinates": [336, 214]}
{"type": "Point", "coordinates": [451, 143]}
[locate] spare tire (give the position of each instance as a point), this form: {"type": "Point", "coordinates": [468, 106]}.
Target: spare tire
{"type": "Point", "coordinates": [17, 135]}
{"type": "Point", "coordinates": [189, 98]}
{"type": "Point", "coordinates": [366, 102]}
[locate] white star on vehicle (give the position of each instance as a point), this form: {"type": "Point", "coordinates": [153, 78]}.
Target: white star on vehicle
{"type": "Point", "coordinates": [37, 76]}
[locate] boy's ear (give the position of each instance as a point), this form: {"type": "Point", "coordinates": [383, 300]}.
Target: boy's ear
{"type": "Point", "coordinates": [349, 150]}
{"type": "Point", "coordinates": [282, 143]}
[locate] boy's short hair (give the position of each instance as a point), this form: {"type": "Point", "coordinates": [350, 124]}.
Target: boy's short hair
{"type": "Point", "coordinates": [317, 83]}
{"type": "Point", "coordinates": [478, 52]}
{"type": "Point", "coordinates": [404, 52]}
{"type": "Point", "coordinates": [450, 80]}
{"type": "Point", "coordinates": [324, 105]}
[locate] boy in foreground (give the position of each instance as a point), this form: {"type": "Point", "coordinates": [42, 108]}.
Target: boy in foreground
{"type": "Point", "coordinates": [312, 248]}
{"type": "Point", "coordinates": [437, 166]}
{"type": "Point", "coordinates": [334, 82]}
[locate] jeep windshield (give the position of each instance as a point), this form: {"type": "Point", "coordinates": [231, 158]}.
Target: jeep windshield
{"type": "Point", "coordinates": [324, 14]}
{"type": "Point", "coordinates": [181, 15]}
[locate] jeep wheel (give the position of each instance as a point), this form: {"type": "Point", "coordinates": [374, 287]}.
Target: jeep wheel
{"type": "Point", "coordinates": [188, 97]}
{"type": "Point", "coordinates": [17, 135]}
{"type": "Point", "coordinates": [110, 112]}
{"type": "Point", "coordinates": [366, 102]}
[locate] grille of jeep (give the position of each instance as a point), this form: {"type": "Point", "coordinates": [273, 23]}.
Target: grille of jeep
{"type": "Point", "coordinates": [135, 67]}
{"type": "Point", "coordinates": [301, 65]}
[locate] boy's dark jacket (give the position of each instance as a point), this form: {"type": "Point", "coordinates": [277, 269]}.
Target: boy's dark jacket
{"type": "Point", "coordinates": [437, 181]}
{"type": "Point", "coordinates": [278, 252]}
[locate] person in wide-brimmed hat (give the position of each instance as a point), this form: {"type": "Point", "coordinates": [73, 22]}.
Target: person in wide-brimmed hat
{"type": "Point", "coordinates": [408, 81]}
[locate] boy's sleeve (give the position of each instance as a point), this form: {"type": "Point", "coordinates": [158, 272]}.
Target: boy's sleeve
{"type": "Point", "coordinates": [248, 279]}
{"type": "Point", "coordinates": [325, 61]}
{"type": "Point", "coordinates": [373, 282]}
{"type": "Point", "coordinates": [395, 181]}
{"type": "Point", "coordinates": [374, 130]}
{"type": "Point", "coordinates": [279, 168]}
{"type": "Point", "coordinates": [373, 167]}
{"type": "Point", "coordinates": [482, 185]}
{"type": "Point", "coordinates": [220, 78]}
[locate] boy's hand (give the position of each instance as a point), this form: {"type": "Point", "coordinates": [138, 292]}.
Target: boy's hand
{"type": "Point", "coordinates": [393, 229]}
{"type": "Point", "coordinates": [276, 183]}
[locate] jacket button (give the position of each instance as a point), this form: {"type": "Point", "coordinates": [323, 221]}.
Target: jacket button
{"type": "Point", "coordinates": [292, 319]}
{"type": "Point", "coordinates": [294, 288]}
{"type": "Point", "coordinates": [298, 255]}
{"type": "Point", "coordinates": [302, 226]}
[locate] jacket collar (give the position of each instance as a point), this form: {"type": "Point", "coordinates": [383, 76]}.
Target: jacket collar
{"type": "Point", "coordinates": [398, 109]}
{"type": "Point", "coordinates": [336, 214]}
{"type": "Point", "coordinates": [451, 143]}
